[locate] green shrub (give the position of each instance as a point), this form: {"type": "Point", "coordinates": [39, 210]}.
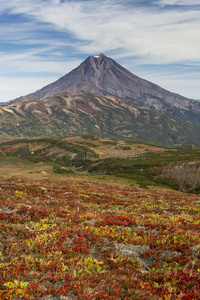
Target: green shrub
{"type": "Point", "coordinates": [90, 136]}
{"type": "Point", "coordinates": [109, 143]}
{"type": "Point", "coordinates": [61, 170]}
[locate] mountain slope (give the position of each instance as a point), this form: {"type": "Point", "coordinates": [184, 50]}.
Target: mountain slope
{"type": "Point", "coordinates": [83, 113]}
{"type": "Point", "coordinates": [101, 97]}
{"type": "Point", "coordinates": [101, 75]}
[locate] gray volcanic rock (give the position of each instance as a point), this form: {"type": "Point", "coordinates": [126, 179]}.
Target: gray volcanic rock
{"type": "Point", "coordinates": [101, 75]}
{"type": "Point", "coordinates": [102, 98]}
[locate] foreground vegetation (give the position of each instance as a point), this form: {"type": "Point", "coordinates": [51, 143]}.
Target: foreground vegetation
{"type": "Point", "coordinates": [84, 240]}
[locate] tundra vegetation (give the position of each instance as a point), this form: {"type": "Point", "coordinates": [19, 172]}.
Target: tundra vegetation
{"type": "Point", "coordinates": [80, 239]}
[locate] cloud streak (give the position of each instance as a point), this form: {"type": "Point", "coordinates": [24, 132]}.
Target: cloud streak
{"type": "Point", "coordinates": [179, 2]}
{"type": "Point", "coordinates": [162, 36]}
{"type": "Point", "coordinates": [161, 32]}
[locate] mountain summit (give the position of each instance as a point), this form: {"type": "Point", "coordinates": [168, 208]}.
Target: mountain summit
{"type": "Point", "coordinates": [100, 97]}
{"type": "Point", "coordinates": [101, 75]}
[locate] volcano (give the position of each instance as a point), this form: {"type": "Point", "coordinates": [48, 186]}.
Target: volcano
{"type": "Point", "coordinates": [100, 97]}
{"type": "Point", "coordinates": [101, 75]}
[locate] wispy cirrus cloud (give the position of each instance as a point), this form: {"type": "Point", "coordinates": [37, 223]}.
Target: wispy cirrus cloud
{"type": "Point", "coordinates": [46, 33]}
{"type": "Point", "coordinates": [179, 2]}
{"type": "Point", "coordinates": [162, 36]}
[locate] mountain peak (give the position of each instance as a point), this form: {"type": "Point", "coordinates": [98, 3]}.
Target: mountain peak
{"type": "Point", "coordinates": [99, 59]}
{"type": "Point", "coordinates": [101, 55]}
{"type": "Point", "coordinates": [92, 97]}
{"type": "Point", "coordinates": [101, 75]}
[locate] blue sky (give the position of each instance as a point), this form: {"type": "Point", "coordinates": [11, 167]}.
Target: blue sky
{"type": "Point", "coordinates": [42, 40]}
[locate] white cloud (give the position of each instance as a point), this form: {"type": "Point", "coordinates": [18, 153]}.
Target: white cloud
{"type": "Point", "coordinates": [138, 31]}
{"type": "Point", "coordinates": [152, 34]}
{"type": "Point", "coordinates": [180, 2]}
{"type": "Point", "coordinates": [159, 36]}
